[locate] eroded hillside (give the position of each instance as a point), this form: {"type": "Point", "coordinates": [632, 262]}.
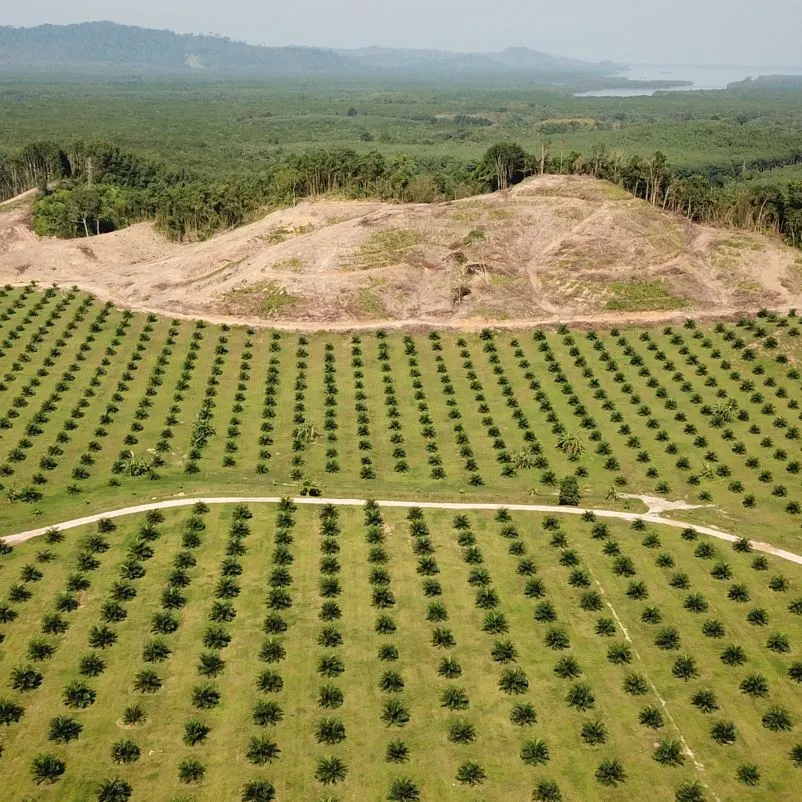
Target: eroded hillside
{"type": "Point", "coordinates": [552, 248]}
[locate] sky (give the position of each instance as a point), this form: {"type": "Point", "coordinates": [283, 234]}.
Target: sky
{"type": "Point", "coordinates": [722, 32]}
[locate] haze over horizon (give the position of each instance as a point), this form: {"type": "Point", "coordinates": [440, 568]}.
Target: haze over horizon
{"type": "Point", "coordinates": [699, 32]}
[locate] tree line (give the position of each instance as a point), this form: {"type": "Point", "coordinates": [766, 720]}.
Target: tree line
{"type": "Point", "coordinates": [91, 188]}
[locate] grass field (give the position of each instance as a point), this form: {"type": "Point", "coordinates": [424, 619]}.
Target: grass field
{"type": "Point", "coordinates": [101, 408]}
{"type": "Point", "coordinates": [277, 629]}
{"type": "Point", "coordinates": [334, 653]}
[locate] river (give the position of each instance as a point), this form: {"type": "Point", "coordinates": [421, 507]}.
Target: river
{"type": "Point", "coordinates": [701, 77]}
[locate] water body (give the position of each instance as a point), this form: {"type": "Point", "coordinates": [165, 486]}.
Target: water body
{"type": "Point", "coordinates": [700, 78]}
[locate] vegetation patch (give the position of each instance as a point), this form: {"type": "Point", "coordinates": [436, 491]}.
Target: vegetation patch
{"type": "Point", "coordinates": [266, 299]}
{"type": "Point", "coordinates": [383, 249]}
{"type": "Point", "coordinates": [642, 296]}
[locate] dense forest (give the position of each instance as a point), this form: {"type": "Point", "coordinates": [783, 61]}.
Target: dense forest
{"type": "Point", "coordinates": [201, 155]}
{"type": "Point", "coordinates": [91, 188]}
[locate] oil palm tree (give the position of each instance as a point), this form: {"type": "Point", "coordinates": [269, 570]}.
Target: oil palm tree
{"type": "Point", "coordinates": [258, 791]}
{"type": "Point", "coordinates": [114, 790]}
{"type": "Point", "coordinates": [47, 768]}
{"type": "Point", "coordinates": [471, 773]}
{"type": "Point", "coordinates": [330, 770]}
{"type": "Point", "coordinates": [535, 752]}
{"type": "Point", "coordinates": [191, 771]}
{"type": "Point", "coordinates": [403, 789]}
{"type": "Point", "coordinates": [610, 772]}
{"type": "Point", "coordinates": [262, 750]}
{"type": "Point", "coordinates": [64, 729]}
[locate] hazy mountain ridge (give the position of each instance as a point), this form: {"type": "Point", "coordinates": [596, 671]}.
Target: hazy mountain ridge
{"type": "Point", "coordinates": [511, 59]}
{"type": "Point", "coordinates": [107, 44]}
{"type": "Point", "coordinates": [96, 44]}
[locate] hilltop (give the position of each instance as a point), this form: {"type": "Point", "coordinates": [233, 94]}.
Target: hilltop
{"type": "Point", "coordinates": [552, 248]}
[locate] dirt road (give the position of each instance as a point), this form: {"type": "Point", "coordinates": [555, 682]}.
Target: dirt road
{"type": "Point", "coordinates": [766, 548]}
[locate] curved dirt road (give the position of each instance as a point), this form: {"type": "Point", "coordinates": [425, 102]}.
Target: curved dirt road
{"type": "Point", "coordinates": [766, 548]}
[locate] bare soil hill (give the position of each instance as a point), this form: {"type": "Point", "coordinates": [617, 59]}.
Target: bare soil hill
{"type": "Point", "coordinates": [552, 248]}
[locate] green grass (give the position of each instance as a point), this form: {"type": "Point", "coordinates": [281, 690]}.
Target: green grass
{"type": "Point", "coordinates": [642, 296]}
{"type": "Point", "coordinates": [262, 300]}
{"type": "Point", "coordinates": [708, 415]}
{"type": "Point", "coordinates": [431, 417]}
{"type": "Point", "coordinates": [433, 760]}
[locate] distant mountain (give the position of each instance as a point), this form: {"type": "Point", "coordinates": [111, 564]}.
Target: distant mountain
{"type": "Point", "coordinates": [107, 45]}
{"type": "Point", "coordinates": [513, 59]}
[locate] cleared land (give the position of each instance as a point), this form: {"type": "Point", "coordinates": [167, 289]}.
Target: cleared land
{"type": "Point", "coordinates": [553, 248]}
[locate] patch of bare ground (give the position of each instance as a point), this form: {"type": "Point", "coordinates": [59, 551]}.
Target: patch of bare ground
{"type": "Point", "coordinates": [554, 248]}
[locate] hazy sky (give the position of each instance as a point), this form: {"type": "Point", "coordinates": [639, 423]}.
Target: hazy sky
{"type": "Point", "coordinates": [736, 32]}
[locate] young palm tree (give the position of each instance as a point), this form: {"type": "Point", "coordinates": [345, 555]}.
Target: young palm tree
{"type": "Point", "coordinates": [454, 698]}
{"type": "Point", "coordinates": [669, 752]}
{"type": "Point", "coordinates": [724, 732]}
{"type": "Point", "coordinates": [195, 732]}
{"type": "Point", "coordinates": [571, 445]}
{"type": "Point", "coordinates": [471, 773]}
{"type": "Point", "coordinates": [147, 681]}
{"type": "Point", "coordinates": [397, 752]}
{"type": "Point", "coordinates": [47, 768]}
{"type": "Point", "coordinates": [10, 712]}
{"type": "Point", "coordinates": [535, 752]}
{"type": "Point", "coordinates": [102, 636]}
{"type": "Point", "coordinates": [513, 681]}
{"type": "Point", "coordinates": [690, 792]}
{"type": "Point", "coordinates": [78, 695]}
{"type": "Point", "coordinates": [262, 750]}
{"type": "Point", "coordinates": [64, 729]}
{"type": "Point", "coordinates": [133, 715]}
{"type": "Point", "coordinates": [329, 697]}
{"type": "Point", "coordinates": [733, 656]}
{"type": "Point", "coordinates": [705, 701]}
{"type": "Point", "coordinates": [114, 790]}
{"type": "Point", "coordinates": [391, 682]}
{"type": "Point", "coordinates": [685, 668]}
{"type": "Point", "coordinates": [523, 714]}
{"type": "Point", "coordinates": [755, 685]}
{"type": "Point", "coordinates": [461, 732]}
{"type": "Point", "coordinates": [330, 770]}
{"type": "Point", "coordinates": [594, 733]}
{"type": "Point", "coordinates": [395, 714]}
{"type": "Point", "coordinates": [190, 771]}
{"type": "Point", "coordinates": [748, 774]}
{"type": "Point", "coordinates": [651, 717]}
{"type": "Point", "coordinates": [619, 654]}
{"type": "Point", "coordinates": [635, 684]}
{"type": "Point", "coordinates": [267, 713]}
{"type": "Point", "coordinates": [547, 791]}
{"type": "Point", "coordinates": [580, 696]}
{"type": "Point", "coordinates": [567, 668]}
{"type": "Point", "coordinates": [125, 751]}
{"type": "Point", "coordinates": [777, 719]}
{"type": "Point", "coordinates": [25, 678]}
{"type": "Point", "coordinates": [403, 789]}
{"type": "Point", "coordinates": [330, 731]}
{"type": "Point", "coordinates": [605, 627]}
{"type": "Point", "coordinates": [610, 772]}
{"type": "Point", "coordinates": [258, 791]}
